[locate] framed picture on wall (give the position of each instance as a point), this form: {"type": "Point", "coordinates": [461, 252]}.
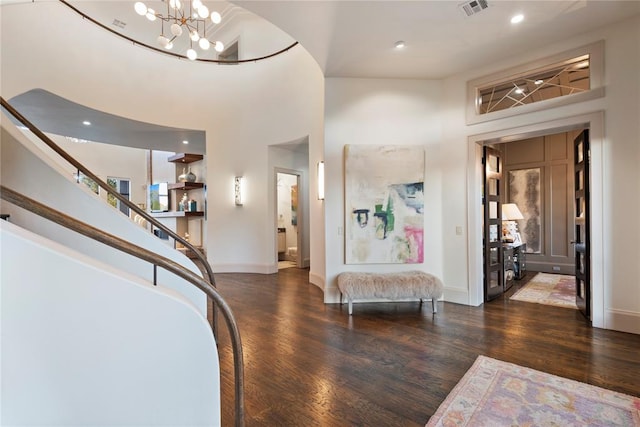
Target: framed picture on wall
{"type": "Point", "coordinates": [525, 192]}
{"type": "Point", "coordinates": [384, 204]}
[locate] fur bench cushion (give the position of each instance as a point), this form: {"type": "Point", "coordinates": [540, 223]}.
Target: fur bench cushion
{"type": "Point", "coordinates": [408, 284]}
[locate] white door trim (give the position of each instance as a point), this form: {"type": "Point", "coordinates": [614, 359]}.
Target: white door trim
{"type": "Point", "coordinates": [600, 265]}
{"type": "Point", "coordinates": [300, 226]}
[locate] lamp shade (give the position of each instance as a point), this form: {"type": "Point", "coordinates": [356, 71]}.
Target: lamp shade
{"type": "Point", "coordinates": [176, 29]}
{"type": "Point", "coordinates": [204, 44]}
{"type": "Point", "coordinates": [203, 12]}
{"type": "Point", "coordinates": [510, 212]}
{"type": "Point", "coordinates": [140, 8]}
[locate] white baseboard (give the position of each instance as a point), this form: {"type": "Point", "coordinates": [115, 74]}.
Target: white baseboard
{"type": "Point", "coordinates": [314, 279]}
{"type": "Point", "coordinates": [245, 268]}
{"type": "Point", "coordinates": [332, 295]}
{"type": "Point", "coordinates": [622, 320]}
{"type": "Point", "coordinates": [456, 295]}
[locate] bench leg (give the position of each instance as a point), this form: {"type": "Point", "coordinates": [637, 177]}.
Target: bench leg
{"type": "Point", "coordinates": [434, 304]}
{"type": "Point", "coordinates": [350, 307]}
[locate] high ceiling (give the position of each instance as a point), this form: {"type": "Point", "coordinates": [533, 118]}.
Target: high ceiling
{"type": "Point", "coordinates": [121, 17]}
{"type": "Point", "coordinates": [357, 38]}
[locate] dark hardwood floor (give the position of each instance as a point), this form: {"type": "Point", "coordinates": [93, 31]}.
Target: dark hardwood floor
{"type": "Point", "coordinates": [392, 364]}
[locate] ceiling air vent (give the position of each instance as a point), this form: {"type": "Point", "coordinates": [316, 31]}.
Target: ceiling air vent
{"type": "Point", "coordinates": [474, 6]}
{"type": "Point", "coordinates": [118, 23]}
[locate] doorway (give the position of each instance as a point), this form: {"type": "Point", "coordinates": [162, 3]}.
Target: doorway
{"type": "Point", "coordinates": [592, 121]}
{"type": "Point", "coordinates": [544, 212]}
{"type": "Point", "coordinates": [288, 217]}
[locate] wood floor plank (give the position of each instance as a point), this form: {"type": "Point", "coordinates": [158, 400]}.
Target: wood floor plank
{"type": "Point", "coordinates": [392, 364]}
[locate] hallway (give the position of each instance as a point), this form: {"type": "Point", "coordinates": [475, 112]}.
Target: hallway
{"type": "Point", "coordinates": [392, 364]}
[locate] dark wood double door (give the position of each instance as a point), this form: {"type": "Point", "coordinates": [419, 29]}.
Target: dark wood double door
{"type": "Point", "coordinates": [492, 229]}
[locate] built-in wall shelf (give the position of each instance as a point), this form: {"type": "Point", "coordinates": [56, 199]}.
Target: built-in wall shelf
{"type": "Point", "coordinates": [185, 158]}
{"type": "Point", "coordinates": [186, 196]}
{"type": "Point", "coordinates": [177, 214]}
{"type": "Point", "coordinates": [186, 186]}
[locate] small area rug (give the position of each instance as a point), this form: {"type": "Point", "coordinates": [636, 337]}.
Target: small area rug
{"type": "Point", "coordinates": [286, 264]}
{"type": "Point", "coordinates": [549, 289]}
{"type": "Point", "coordinates": [495, 393]}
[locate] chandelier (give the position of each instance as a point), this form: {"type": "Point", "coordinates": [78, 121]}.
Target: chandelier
{"type": "Point", "coordinates": [186, 16]}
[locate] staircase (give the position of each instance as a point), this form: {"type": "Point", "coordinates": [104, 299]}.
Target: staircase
{"type": "Point", "coordinates": [98, 328]}
{"type": "Point", "coordinates": [86, 344]}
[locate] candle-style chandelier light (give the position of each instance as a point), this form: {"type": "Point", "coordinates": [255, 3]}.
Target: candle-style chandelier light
{"type": "Point", "coordinates": [184, 16]}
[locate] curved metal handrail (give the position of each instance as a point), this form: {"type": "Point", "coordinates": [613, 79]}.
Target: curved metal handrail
{"type": "Point", "coordinates": [94, 233]}
{"type": "Point", "coordinates": [81, 168]}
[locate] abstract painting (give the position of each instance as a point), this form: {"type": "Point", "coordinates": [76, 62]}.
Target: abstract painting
{"type": "Point", "coordinates": [384, 203]}
{"type": "Point", "coordinates": [524, 191]}
{"type": "Point", "coordinates": [294, 205]}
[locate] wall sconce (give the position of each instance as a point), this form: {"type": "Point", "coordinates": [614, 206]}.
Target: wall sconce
{"type": "Point", "coordinates": [320, 180]}
{"type": "Point", "coordinates": [239, 190]}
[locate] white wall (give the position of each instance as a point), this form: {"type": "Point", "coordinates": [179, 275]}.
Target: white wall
{"type": "Point", "coordinates": [360, 111]}
{"type": "Point", "coordinates": [283, 104]}
{"type": "Point", "coordinates": [107, 160]}
{"type": "Point", "coordinates": [86, 344]}
{"type": "Point", "coordinates": [381, 112]}
{"type": "Point", "coordinates": [243, 109]}
{"type": "Point", "coordinates": [162, 169]}
{"type": "Point", "coordinates": [250, 33]}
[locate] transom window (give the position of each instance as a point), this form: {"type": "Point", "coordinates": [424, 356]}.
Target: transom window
{"type": "Point", "coordinates": [557, 80]}
{"type": "Point", "coordinates": [565, 78]}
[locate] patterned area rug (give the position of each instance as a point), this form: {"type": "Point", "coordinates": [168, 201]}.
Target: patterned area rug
{"type": "Point", "coordinates": [549, 289]}
{"type": "Point", "coordinates": [495, 393]}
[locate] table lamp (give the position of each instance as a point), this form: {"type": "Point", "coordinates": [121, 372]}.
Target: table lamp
{"type": "Point", "coordinates": [510, 213]}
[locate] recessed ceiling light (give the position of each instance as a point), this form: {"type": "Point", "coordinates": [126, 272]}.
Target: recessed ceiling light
{"type": "Point", "coordinates": [185, 142]}
{"type": "Point", "coordinates": [519, 91]}
{"type": "Point", "coordinates": [538, 82]}
{"type": "Point", "coordinates": [516, 19]}
{"type": "Point", "coordinates": [86, 123]}
{"type": "Point", "coordinates": [400, 44]}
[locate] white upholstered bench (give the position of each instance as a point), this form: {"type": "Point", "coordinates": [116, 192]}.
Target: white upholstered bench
{"type": "Point", "coordinates": [406, 284]}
